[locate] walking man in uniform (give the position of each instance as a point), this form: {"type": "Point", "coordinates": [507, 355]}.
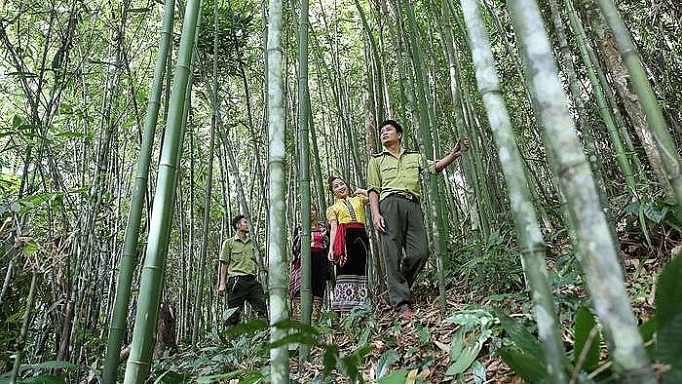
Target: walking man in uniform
{"type": "Point", "coordinates": [393, 184]}
{"type": "Point", "coordinates": [238, 269]}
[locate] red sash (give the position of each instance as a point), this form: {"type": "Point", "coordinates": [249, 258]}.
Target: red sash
{"type": "Point", "coordinates": [339, 246]}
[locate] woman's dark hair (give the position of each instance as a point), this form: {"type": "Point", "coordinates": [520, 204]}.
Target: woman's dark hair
{"type": "Point", "coordinates": [330, 182]}
{"type": "Point", "coordinates": [236, 220]}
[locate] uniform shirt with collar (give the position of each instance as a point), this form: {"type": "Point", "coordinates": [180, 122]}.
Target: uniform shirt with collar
{"type": "Point", "coordinates": [239, 256]}
{"type": "Point", "coordinates": [388, 174]}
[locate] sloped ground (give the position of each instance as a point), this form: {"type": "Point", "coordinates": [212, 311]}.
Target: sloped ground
{"type": "Point", "coordinates": [420, 348]}
{"type": "Point", "coordinates": [422, 345]}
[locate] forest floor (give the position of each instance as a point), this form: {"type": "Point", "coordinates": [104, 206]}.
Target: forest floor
{"type": "Point", "coordinates": [421, 348]}
{"type": "Point", "coordinates": [422, 345]}
{"type": "Point", "coordinates": [373, 345]}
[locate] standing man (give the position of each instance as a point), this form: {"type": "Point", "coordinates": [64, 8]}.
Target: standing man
{"type": "Point", "coordinates": [394, 189]}
{"type": "Point", "coordinates": [238, 268]}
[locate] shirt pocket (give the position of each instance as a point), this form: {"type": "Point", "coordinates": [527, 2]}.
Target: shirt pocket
{"type": "Point", "coordinates": [389, 172]}
{"type": "Point", "coordinates": [237, 254]}
{"type": "Point", "coordinates": [412, 171]}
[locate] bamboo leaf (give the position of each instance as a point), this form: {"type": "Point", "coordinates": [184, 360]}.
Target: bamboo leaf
{"type": "Point", "coordinates": [397, 377]}
{"type": "Point", "coordinates": [45, 379]}
{"type": "Point", "coordinates": [465, 346]}
{"type": "Point", "coordinates": [464, 360]}
{"type": "Point", "coordinates": [171, 377]}
{"type": "Point", "coordinates": [251, 327]}
{"type": "Point", "coordinates": [584, 325]}
{"type": "Point", "coordinates": [642, 224]}
{"type": "Point", "coordinates": [523, 339]}
{"type": "Point", "coordinates": [244, 376]}
{"type": "Point", "coordinates": [384, 363]}
{"type": "Point", "coordinates": [48, 365]}
{"type": "Point", "coordinates": [652, 212]}
{"type": "Point", "coordinates": [669, 315]}
{"type": "Point", "coordinates": [648, 330]}
{"type": "Point", "coordinates": [457, 344]}
{"type": "Point", "coordinates": [478, 372]}
{"type": "Point", "coordinates": [17, 121]}
{"type": "Point", "coordinates": [70, 135]}
{"type": "Point", "coordinates": [523, 364]}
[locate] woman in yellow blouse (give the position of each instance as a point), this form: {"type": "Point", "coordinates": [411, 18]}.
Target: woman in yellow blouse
{"type": "Point", "coordinates": [349, 245]}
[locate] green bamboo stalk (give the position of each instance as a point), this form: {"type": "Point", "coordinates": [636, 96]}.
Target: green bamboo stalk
{"type": "Point", "coordinates": [596, 250]}
{"type": "Point", "coordinates": [532, 245]}
{"type": "Point", "coordinates": [215, 106]}
{"type": "Point", "coordinates": [317, 169]}
{"type": "Point", "coordinates": [585, 129]}
{"type": "Point", "coordinates": [656, 122]}
{"type": "Point", "coordinates": [279, 356]}
{"type": "Point", "coordinates": [28, 314]}
{"type": "Point", "coordinates": [375, 78]}
{"type": "Point", "coordinates": [178, 181]}
{"type": "Point", "coordinates": [187, 220]}
{"type": "Point", "coordinates": [438, 209]}
{"type": "Point", "coordinates": [480, 202]}
{"type": "Point", "coordinates": [575, 92]}
{"type": "Point", "coordinates": [604, 110]}
{"type": "Point", "coordinates": [128, 258]}
{"type": "Point", "coordinates": [304, 172]}
{"type": "Point", "coordinates": [448, 40]}
{"type": "Point", "coordinates": [480, 207]}
{"type": "Point", "coordinates": [152, 274]}
{"type": "Point", "coordinates": [425, 122]}
{"type": "Point", "coordinates": [537, 179]}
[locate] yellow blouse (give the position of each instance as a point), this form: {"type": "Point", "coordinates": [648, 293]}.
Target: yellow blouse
{"type": "Point", "coordinates": [340, 212]}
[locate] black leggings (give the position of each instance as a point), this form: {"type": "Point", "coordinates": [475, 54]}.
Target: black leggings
{"type": "Point", "coordinates": [318, 266]}
{"type": "Point", "coordinates": [357, 245]}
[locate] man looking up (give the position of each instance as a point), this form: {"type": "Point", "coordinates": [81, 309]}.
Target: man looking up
{"type": "Point", "coordinates": [394, 190]}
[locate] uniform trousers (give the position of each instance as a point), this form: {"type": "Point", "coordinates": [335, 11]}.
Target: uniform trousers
{"type": "Point", "coordinates": [241, 289]}
{"type": "Point", "coordinates": [405, 230]}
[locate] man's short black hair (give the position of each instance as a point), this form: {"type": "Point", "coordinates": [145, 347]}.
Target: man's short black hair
{"type": "Point", "coordinates": [394, 123]}
{"type": "Point", "coordinates": [236, 220]}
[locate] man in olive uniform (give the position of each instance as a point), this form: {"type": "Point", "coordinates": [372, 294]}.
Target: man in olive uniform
{"type": "Point", "coordinates": [393, 184]}
{"type": "Point", "coordinates": [238, 270]}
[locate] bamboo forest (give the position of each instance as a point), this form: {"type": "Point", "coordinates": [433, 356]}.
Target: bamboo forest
{"type": "Point", "coordinates": [340, 191]}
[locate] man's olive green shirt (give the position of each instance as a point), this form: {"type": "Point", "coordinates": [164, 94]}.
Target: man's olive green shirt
{"type": "Point", "coordinates": [239, 256]}
{"type": "Point", "coordinates": [388, 174]}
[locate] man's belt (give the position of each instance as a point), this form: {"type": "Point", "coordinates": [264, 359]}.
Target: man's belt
{"type": "Point", "coordinates": [241, 277]}
{"type": "Point", "coordinates": [406, 195]}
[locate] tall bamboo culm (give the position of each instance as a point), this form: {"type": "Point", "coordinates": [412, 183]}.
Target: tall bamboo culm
{"type": "Point", "coordinates": [304, 171]}
{"type": "Point", "coordinates": [279, 356]}
{"type": "Point", "coordinates": [596, 250]}
{"type": "Point", "coordinates": [128, 259]}
{"type": "Point", "coordinates": [215, 107]}
{"type": "Point", "coordinates": [599, 95]}
{"type": "Point", "coordinates": [151, 282]}
{"type": "Point", "coordinates": [532, 245]}
{"type": "Point", "coordinates": [426, 125]}
{"type": "Point", "coordinates": [657, 124]}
